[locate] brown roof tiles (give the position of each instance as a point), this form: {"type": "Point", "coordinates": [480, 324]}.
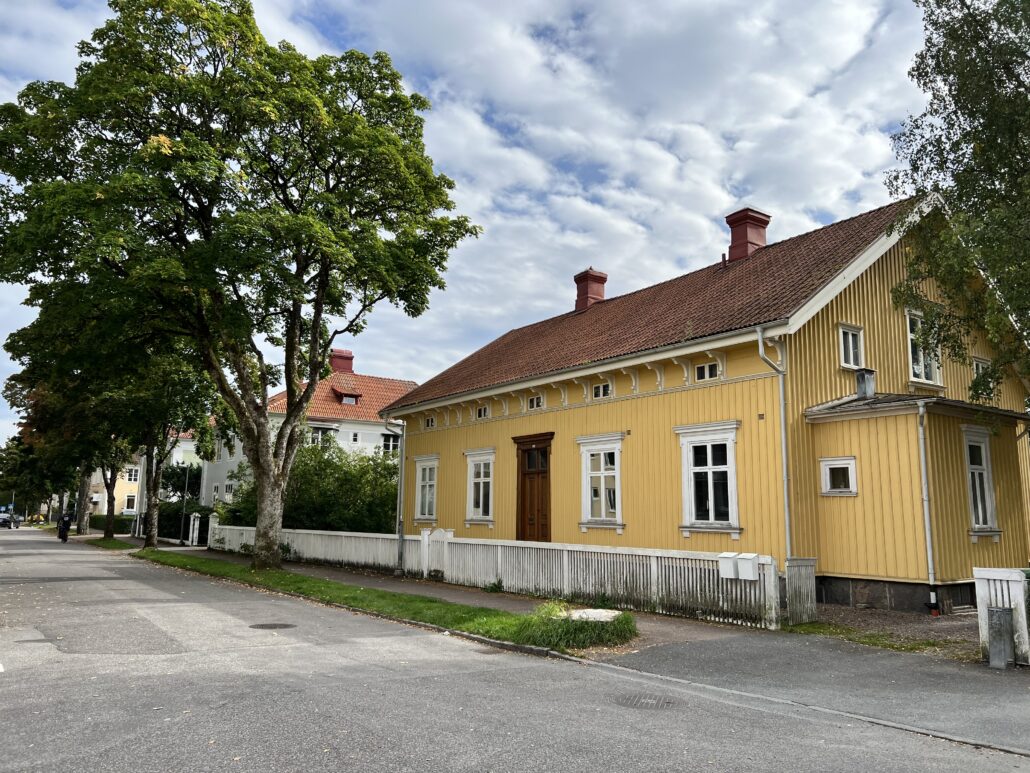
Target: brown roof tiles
{"type": "Point", "coordinates": [375, 393]}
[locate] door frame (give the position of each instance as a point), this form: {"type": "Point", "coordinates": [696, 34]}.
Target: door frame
{"type": "Point", "coordinates": [525, 443]}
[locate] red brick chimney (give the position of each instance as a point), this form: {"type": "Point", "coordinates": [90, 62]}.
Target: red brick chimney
{"type": "Point", "coordinates": [341, 360]}
{"type": "Point", "coordinates": [589, 288]}
{"type": "Point", "coordinates": [747, 232]}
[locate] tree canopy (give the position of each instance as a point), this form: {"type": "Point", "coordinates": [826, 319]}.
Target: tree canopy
{"type": "Point", "coordinates": [967, 156]}
{"type": "Point", "coordinates": [258, 202]}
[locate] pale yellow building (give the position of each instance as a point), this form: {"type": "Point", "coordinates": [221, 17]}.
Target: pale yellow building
{"type": "Point", "coordinates": [775, 402]}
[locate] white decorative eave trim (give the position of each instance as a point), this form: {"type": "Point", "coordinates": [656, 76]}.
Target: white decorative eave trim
{"type": "Point", "coordinates": [492, 451]}
{"type": "Point", "coordinates": [605, 438]}
{"type": "Point", "coordinates": [711, 428]}
{"type": "Point", "coordinates": [734, 338]}
{"type": "Point", "coordinates": [426, 458]}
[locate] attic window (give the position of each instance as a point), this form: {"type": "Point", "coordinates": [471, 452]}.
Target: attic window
{"type": "Point", "coordinates": [349, 399]}
{"type": "Point", "coordinates": [706, 372]}
{"type": "Point", "coordinates": [483, 412]}
{"type": "Point", "coordinates": [430, 422]}
{"type": "Point", "coordinates": [602, 390]}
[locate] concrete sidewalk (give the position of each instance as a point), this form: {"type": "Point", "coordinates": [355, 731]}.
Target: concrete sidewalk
{"type": "Point", "coordinates": [963, 701]}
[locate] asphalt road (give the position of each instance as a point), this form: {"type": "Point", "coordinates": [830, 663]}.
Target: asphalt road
{"type": "Point", "coordinates": [113, 664]}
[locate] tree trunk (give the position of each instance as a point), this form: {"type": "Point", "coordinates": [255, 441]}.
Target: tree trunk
{"type": "Point", "coordinates": [269, 526]}
{"type": "Point", "coordinates": [110, 476]}
{"type": "Point", "coordinates": [82, 502]}
{"type": "Point", "coordinates": [153, 472]}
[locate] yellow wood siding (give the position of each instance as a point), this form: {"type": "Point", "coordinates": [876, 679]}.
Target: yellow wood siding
{"type": "Point", "coordinates": [815, 376]}
{"type": "Point", "coordinates": [651, 474]}
{"type": "Point", "coordinates": [879, 532]}
{"type": "Point", "coordinates": [954, 550]}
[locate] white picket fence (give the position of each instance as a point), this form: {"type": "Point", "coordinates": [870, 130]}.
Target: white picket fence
{"type": "Point", "coordinates": [1007, 589]}
{"type": "Point", "coordinates": [670, 581]}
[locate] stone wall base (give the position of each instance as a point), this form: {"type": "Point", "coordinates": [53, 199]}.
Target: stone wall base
{"type": "Point", "coordinates": [884, 594]}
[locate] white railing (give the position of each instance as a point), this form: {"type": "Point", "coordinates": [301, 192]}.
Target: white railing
{"type": "Point", "coordinates": [1007, 589]}
{"type": "Point", "coordinates": [670, 581]}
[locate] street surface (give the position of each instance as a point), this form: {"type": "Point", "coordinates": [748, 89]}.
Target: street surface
{"type": "Point", "coordinates": [113, 664]}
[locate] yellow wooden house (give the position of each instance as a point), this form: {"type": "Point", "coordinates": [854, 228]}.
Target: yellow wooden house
{"type": "Point", "coordinates": [775, 402]}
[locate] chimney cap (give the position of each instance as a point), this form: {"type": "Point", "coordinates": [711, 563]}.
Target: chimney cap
{"type": "Point", "coordinates": [748, 213]}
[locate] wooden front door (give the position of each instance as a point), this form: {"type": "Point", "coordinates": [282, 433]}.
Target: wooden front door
{"type": "Point", "coordinates": [534, 494]}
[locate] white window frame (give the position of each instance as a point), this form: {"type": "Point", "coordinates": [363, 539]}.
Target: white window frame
{"type": "Point", "coordinates": [980, 364]}
{"type": "Point", "coordinates": [349, 400]}
{"type": "Point", "coordinates": [429, 422]}
{"type": "Point", "coordinates": [482, 412]}
{"type": "Point", "coordinates": [317, 435]}
{"type": "Point", "coordinates": [610, 442]}
{"type": "Point", "coordinates": [131, 508]}
{"type": "Point", "coordinates": [597, 390]}
{"type": "Point", "coordinates": [474, 457]}
{"type": "Point", "coordinates": [391, 439]}
{"type": "Point", "coordinates": [355, 437]}
{"type": "Point", "coordinates": [429, 461]}
{"type": "Point", "coordinates": [539, 399]}
{"type": "Point", "coordinates": [702, 371]}
{"type": "Point", "coordinates": [843, 331]}
{"type": "Point", "coordinates": [973, 434]}
{"type": "Point", "coordinates": [910, 340]}
{"type": "Point", "coordinates": [707, 434]}
{"type": "Point", "coordinates": [829, 463]}
{"type": "Point", "coordinates": [132, 474]}
{"type": "Point", "coordinates": [214, 492]}
{"type": "Point", "coordinates": [229, 489]}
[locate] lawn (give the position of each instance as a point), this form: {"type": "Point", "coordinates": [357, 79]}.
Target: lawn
{"type": "Point", "coordinates": [542, 628]}
{"type": "Point", "coordinates": [111, 544]}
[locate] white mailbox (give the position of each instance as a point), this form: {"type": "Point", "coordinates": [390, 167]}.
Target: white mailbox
{"type": "Point", "coordinates": [747, 566]}
{"type": "Point", "coordinates": [727, 566]}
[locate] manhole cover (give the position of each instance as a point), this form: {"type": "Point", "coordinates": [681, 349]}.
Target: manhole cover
{"type": "Point", "coordinates": [645, 701]}
{"type": "Point", "coordinates": [272, 626]}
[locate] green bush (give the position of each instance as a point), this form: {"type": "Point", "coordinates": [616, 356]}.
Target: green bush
{"type": "Point", "coordinates": [329, 489]}
{"type": "Point", "coordinates": [549, 626]}
{"type": "Point", "coordinates": [170, 523]}
{"type": "Point", "coordinates": [122, 523]}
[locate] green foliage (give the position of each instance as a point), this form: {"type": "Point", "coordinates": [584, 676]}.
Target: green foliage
{"type": "Point", "coordinates": [177, 477]}
{"type": "Point", "coordinates": [538, 629]}
{"type": "Point", "coordinates": [171, 523]}
{"type": "Point", "coordinates": [121, 524]}
{"type": "Point", "coordinates": [495, 587]}
{"type": "Point", "coordinates": [329, 489]}
{"type": "Point", "coordinates": [968, 154]}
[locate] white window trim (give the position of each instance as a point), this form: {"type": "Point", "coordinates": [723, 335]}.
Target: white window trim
{"type": "Point", "coordinates": [714, 432]}
{"type": "Point", "coordinates": [130, 472]}
{"type": "Point", "coordinates": [974, 433]}
{"type": "Point", "coordinates": [429, 422]}
{"type": "Point", "coordinates": [472, 457]}
{"type": "Point", "coordinates": [486, 412]}
{"type": "Point", "coordinates": [909, 316]}
{"type": "Point", "coordinates": [825, 464]}
{"type": "Point", "coordinates": [705, 365]}
{"type": "Point", "coordinates": [981, 361]}
{"type": "Point", "coordinates": [843, 328]}
{"type": "Point", "coordinates": [594, 444]}
{"type": "Point", "coordinates": [611, 390]}
{"type": "Point", "coordinates": [421, 462]}
{"type": "Point", "coordinates": [539, 396]}
{"type": "Point", "coordinates": [127, 508]}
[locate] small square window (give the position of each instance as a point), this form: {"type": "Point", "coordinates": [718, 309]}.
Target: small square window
{"type": "Point", "coordinates": [482, 411]}
{"type": "Point", "coordinates": [430, 422]}
{"type": "Point", "coordinates": [535, 402]}
{"type": "Point", "coordinates": [852, 344]}
{"type": "Point", "coordinates": [355, 437]}
{"type": "Point", "coordinates": [602, 390]}
{"type": "Point", "coordinates": [706, 372]}
{"type": "Point", "coordinates": [838, 476]}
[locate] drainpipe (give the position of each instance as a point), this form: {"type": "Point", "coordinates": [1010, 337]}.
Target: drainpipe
{"type": "Point", "coordinates": [930, 571]}
{"type": "Point", "coordinates": [400, 499]}
{"type": "Point", "coordinates": [781, 377]}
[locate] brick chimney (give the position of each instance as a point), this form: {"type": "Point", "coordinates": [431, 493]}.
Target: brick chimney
{"type": "Point", "coordinates": [747, 232]}
{"type": "Point", "coordinates": [341, 360]}
{"type": "Point", "coordinates": [589, 288]}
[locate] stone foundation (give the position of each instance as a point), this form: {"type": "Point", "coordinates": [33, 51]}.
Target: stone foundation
{"type": "Point", "coordinates": [883, 594]}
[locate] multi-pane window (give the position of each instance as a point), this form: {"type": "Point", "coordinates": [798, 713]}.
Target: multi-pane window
{"type": "Point", "coordinates": [425, 476]}
{"type": "Point", "coordinates": [482, 411]}
{"type": "Point", "coordinates": [480, 484]}
{"type": "Point", "coordinates": [706, 372]}
{"type": "Point", "coordinates": [130, 502]}
{"type": "Point", "coordinates": [319, 436]}
{"type": "Point", "coordinates": [430, 422]}
{"type": "Point", "coordinates": [602, 390]}
{"type": "Point", "coordinates": [709, 474]}
{"type": "Point", "coordinates": [851, 354]}
{"type": "Point", "coordinates": [925, 366]}
{"type": "Point", "coordinates": [214, 492]}
{"type": "Point", "coordinates": [535, 402]}
{"type": "Point", "coordinates": [229, 489]}
{"type": "Point", "coordinates": [838, 477]}
{"type": "Point", "coordinates": [980, 367]}
{"type": "Point", "coordinates": [132, 474]}
{"type": "Point", "coordinates": [391, 443]}
{"type": "Point", "coordinates": [978, 477]}
{"type": "Point", "coordinates": [601, 479]}
{"type": "Point", "coordinates": [354, 437]}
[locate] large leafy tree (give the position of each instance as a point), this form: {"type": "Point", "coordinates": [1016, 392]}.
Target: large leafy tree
{"type": "Point", "coordinates": [261, 201]}
{"type": "Point", "coordinates": [967, 156]}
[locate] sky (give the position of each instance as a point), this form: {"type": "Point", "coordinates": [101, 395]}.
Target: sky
{"type": "Point", "coordinates": [583, 133]}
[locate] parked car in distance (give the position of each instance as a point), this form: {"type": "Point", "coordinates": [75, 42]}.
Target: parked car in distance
{"type": "Point", "coordinates": [10, 520]}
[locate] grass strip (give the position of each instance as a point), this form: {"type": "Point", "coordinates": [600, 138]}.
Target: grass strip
{"type": "Point", "coordinates": [882, 639]}
{"type": "Point", "coordinates": [111, 544]}
{"type": "Point", "coordinates": [540, 628]}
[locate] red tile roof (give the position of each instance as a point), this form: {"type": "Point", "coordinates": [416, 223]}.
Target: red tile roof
{"type": "Point", "coordinates": [766, 287]}
{"type": "Point", "coordinates": [374, 394]}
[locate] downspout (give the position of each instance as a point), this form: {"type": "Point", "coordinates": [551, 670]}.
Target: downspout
{"type": "Point", "coordinates": [781, 374]}
{"type": "Point", "coordinates": [930, 571]}
{"type": "Point", "coordinates": [399, 570]}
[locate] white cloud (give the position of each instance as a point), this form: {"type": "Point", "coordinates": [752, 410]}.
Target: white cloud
{"type": "Point", "coordinates": [597, 133]}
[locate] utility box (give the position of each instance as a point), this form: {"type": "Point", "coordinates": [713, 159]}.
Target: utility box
{"type": "Point", "coordinates": [747, 566]}
{"type": "Point", "coordinates": [727, 566]}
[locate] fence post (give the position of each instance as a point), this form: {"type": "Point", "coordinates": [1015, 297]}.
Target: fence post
{"type": "Point", "coordinates": [655, 595]}
{"type": "Point", "coordinates": [425, 552]}
{"type": "Point", "coordinates": [800, 590]}
{"type": "Point", "coordinates": [1003, 588]}
{"type": "Point", "coordinates": [771, 578]}
{"type": "Point", "coordinates": [566, 580]}
{"type": "Point", "coordinates": [194, 528]}
{"type": "Point", "coordinates": [447, 552]}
